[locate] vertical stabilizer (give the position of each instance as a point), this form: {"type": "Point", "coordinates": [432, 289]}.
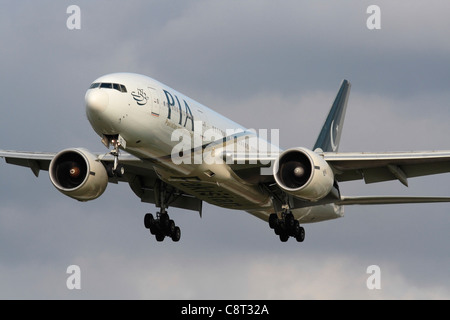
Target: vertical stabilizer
{"type": "Point", "coordinates": [330, 136]}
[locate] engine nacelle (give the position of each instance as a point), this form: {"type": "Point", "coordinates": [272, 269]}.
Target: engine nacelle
{"type": "Point", "coordinates": [78, 174]}
{"type": "Point", "coordinates": [303, 173]}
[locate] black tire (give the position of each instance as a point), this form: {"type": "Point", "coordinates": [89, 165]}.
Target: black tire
{"type": "Point", "coordinates": [164, 221]}
{"type": "Point", "coordinates": [148, 220]}
{"type": "Point", "coordinates": [278, 229]}
{"type": "Point", "coordinates": [170, 228]}
{"type": "Point", "coordinates": [290, 221]}
{"type": "Point", "coordinates": [300, 237]}
{"type": "Point", "coordinates": [154, 229]}
{"type": "Point", "coordinates": [273, 220]}
{"type": "Point", "coordinates": [295, 229]}
{"type": "Point", "coordinates": [284, 237]}
{"type": "Point", "coordinates": [110, 171]}
{"type": "Point", "coordinates": [120, 171]}
{"type": "Point", "coordinates": [176, 235]}
{"type": "Point", "coordinates": [160, 236]}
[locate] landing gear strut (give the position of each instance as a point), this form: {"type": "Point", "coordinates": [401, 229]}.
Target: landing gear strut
{"type": "Point", "coordinates": [286, 227]}
{"type": "Point", "coordinates": [115, 169]}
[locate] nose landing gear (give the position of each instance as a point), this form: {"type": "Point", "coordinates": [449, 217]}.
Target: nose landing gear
{"type": "Point", "coordinates": [115, 169]}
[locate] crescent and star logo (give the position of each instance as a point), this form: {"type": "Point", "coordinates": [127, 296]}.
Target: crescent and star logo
{"type": "Point", "coordinates": [333, 134]}
{"type": "Point", "coordinates": [140, 97]}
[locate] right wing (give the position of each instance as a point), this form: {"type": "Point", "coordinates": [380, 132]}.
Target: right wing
{"type": "Point", "coordinates": [36, 161]}
{"type": "Point", "coordinates": [140, 174]}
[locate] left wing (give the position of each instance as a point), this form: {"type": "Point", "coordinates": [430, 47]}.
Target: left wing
{"type": "Point", "coordinates": [378, 167]}
{"type": "Point", "coordinates": [348, 166]}
{"type": "Point", "coordinates": [372, 200]}
{"type": "Point", "coordinates": [370, 167]}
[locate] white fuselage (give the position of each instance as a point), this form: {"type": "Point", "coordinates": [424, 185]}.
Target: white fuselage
{"type": "Point", "coordinates": [185, 141]}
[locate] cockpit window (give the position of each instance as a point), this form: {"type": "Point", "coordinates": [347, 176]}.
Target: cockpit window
{"type": "Point", "coordinates": [107, 85]}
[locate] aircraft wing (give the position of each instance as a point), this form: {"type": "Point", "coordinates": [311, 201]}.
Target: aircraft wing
{"type": "Point", "coordinates": [378, 167]}
{"type": "Point", "coordinates": [140, 174]}
{"type": "Point", "coordinates": [372, 200]}
{"type": "Point", "coordinates": [348, 166]}
{"type": "Point", "coordinates": [38, 161]}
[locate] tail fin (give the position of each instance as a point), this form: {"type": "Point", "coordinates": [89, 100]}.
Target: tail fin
{"type": "Point", "coordinates": [330, 136]}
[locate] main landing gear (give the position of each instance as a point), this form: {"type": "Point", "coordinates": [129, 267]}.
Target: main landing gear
{"type": "Point", "coordinates": [162, 226]}
{"type": "Point", "coordinates": [286, 227]}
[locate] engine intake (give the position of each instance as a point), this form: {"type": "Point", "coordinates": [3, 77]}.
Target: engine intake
{"type": "Point", "coordinates": [304, 174]}
{"type": "Point", "coordinates": [78, 174]}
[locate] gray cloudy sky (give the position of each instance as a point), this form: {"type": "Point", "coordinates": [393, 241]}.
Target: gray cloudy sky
{"type": "Point", "coordinates": [264, 64]}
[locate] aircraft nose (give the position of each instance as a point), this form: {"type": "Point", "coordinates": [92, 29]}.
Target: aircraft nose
{"type": "Point", "coordinates": [97, 101]}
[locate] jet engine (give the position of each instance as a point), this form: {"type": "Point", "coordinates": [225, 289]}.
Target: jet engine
{"type": "Point", "coordinates": [303, 173]}
{"type": "Point", "coordinates": [78, 174]}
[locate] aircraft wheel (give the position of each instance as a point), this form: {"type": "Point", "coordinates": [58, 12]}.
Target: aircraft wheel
{"type": "Point", "coordinates": [170, 227]}
{"type": "Point", "coordinates": [176, 235]}
{"type": "Point", "coordinates": [273, 220]}
{"type": "Point", "coordinates": [284, 237]}
{"type": "Point", "coordinates": [300, 236]}
{"type": "Point", "coordinates": [120, 171]}
{"type": "Point", "coordinates": [148, 220]}
{"type": "Point", "coordinates": [290, 220]}
{"type": "Point", "coordinates": [159, 237]}
{"type": "Point", "coordinates": [164, 221]}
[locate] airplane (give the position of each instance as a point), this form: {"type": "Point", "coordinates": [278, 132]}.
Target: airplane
{"type": "Point", "coordinates": [176, 152]}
